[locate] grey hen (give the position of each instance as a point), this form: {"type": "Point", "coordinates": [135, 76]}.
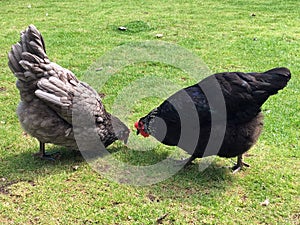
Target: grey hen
{"type": "Point", "coordinates": [47, 93]}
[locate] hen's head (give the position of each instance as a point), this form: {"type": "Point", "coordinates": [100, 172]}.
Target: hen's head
{"type": "Point", "coordinates": [145, 124]}
{"type": "Point", "coordinates": [141, 128]}
{"type": "Point", "coordinates": [120, 129]}
{"type": "Point", "coordinates": [123, 135]}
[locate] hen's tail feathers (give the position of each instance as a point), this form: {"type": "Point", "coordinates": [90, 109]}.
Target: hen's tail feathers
{"type": "Point", "coordinates": [269, 83]}
{"type": "Point", "coordinates": [28, 57]}
{"type": "Point", "coordinates": [277, 78]}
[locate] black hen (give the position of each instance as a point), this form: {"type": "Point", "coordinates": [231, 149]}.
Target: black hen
{"type": "Point", "coordinates": [47, 97]}
{"type": "Point", "coordinates": [223, 106]}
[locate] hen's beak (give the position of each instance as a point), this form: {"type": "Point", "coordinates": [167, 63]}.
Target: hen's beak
{"type": "Point", "coordinates": [136, 125]}
{"type": "Point", "coordinates": [125, 141]}
{"type": "Point", "coordinates": [127, 137]}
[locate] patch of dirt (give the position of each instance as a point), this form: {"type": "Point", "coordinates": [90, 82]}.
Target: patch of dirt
{"type": "Point", "coordinates": [153, 198]}
{"type": "Point", "coordinates": [296, 217]}
{"type": "Point", "coordinates": [2, 89]}
{"type": "Point", "coordinates": [4, 188]}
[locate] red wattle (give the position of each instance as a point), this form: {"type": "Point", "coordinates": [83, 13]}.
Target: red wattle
{"type": "Point", "coordinates": [144, 133]}
{"type": "Point", "coordinates": [140, 128]}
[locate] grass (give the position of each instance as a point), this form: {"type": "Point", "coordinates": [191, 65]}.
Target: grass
{"type": "Point", "coordinates": [227, 35]}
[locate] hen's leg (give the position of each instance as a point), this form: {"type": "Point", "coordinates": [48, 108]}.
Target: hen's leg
{"type": "Point", "coordinates": [239, 165]}
{"type": "Point", "coordinates": [42, 149]}
{"type": "Point", "coordinates": [190, 160]}
{"type": "Point", "coordinates": [46, 156]}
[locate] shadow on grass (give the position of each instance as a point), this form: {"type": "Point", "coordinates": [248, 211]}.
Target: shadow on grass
{"type": "Point", "coordinates": [214, 175]}
{"type": "Point", "coordinates": [25, 167]}
{"type": "Point", "coordinates": [192, 185]}
{"type": "Point", "coordinates": [25, 164]}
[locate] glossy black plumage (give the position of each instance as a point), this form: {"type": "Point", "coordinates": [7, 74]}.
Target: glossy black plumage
{"type": "Point", "coordinates": [242, 94]}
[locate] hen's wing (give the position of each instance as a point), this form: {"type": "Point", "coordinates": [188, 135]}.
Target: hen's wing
{"type": "Point", "coordinates": [62, 97]}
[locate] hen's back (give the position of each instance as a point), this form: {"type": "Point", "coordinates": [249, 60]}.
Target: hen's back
{"type": "Point", "coordinates": [245, 93]}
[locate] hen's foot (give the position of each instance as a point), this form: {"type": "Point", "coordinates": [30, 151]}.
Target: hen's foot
{"type": "Point", "coordinates": [47, 156]}
{"type": "Point", "coordinates": [240, 164]}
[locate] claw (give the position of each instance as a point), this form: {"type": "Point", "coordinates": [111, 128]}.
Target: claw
{"type": "Point", "coordinates": [51, 156]}
{"type": "Point", "coordinates": [240, 164]}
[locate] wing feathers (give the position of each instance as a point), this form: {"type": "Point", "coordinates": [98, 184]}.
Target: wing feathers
{"type": "Point", "coordinates": [51, 98]}
{"type": "Point", "coordinates": [45, 84]}
{"type": "Point", "coordinates": [57, 82]}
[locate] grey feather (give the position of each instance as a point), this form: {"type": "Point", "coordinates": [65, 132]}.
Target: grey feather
{"type": "Point", "coordinates": [50, 98]}
{"type": "Point", "coordinates": [57, 82]}
{"type": "Point", "coordinates": [44, 84]}
{"type": "Point", "coordinates": [13, 63]}
{"type": "Point", "coordinates": [31, 58]}
{"type": "Point", "coordinates": [17, 50]}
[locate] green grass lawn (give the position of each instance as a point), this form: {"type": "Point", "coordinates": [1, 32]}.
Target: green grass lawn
{"type": "Point", "coordinates": [227, 35]}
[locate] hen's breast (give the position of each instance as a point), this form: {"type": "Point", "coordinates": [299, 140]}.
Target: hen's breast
{"type": "Point", "coordinates": [240, 137]}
